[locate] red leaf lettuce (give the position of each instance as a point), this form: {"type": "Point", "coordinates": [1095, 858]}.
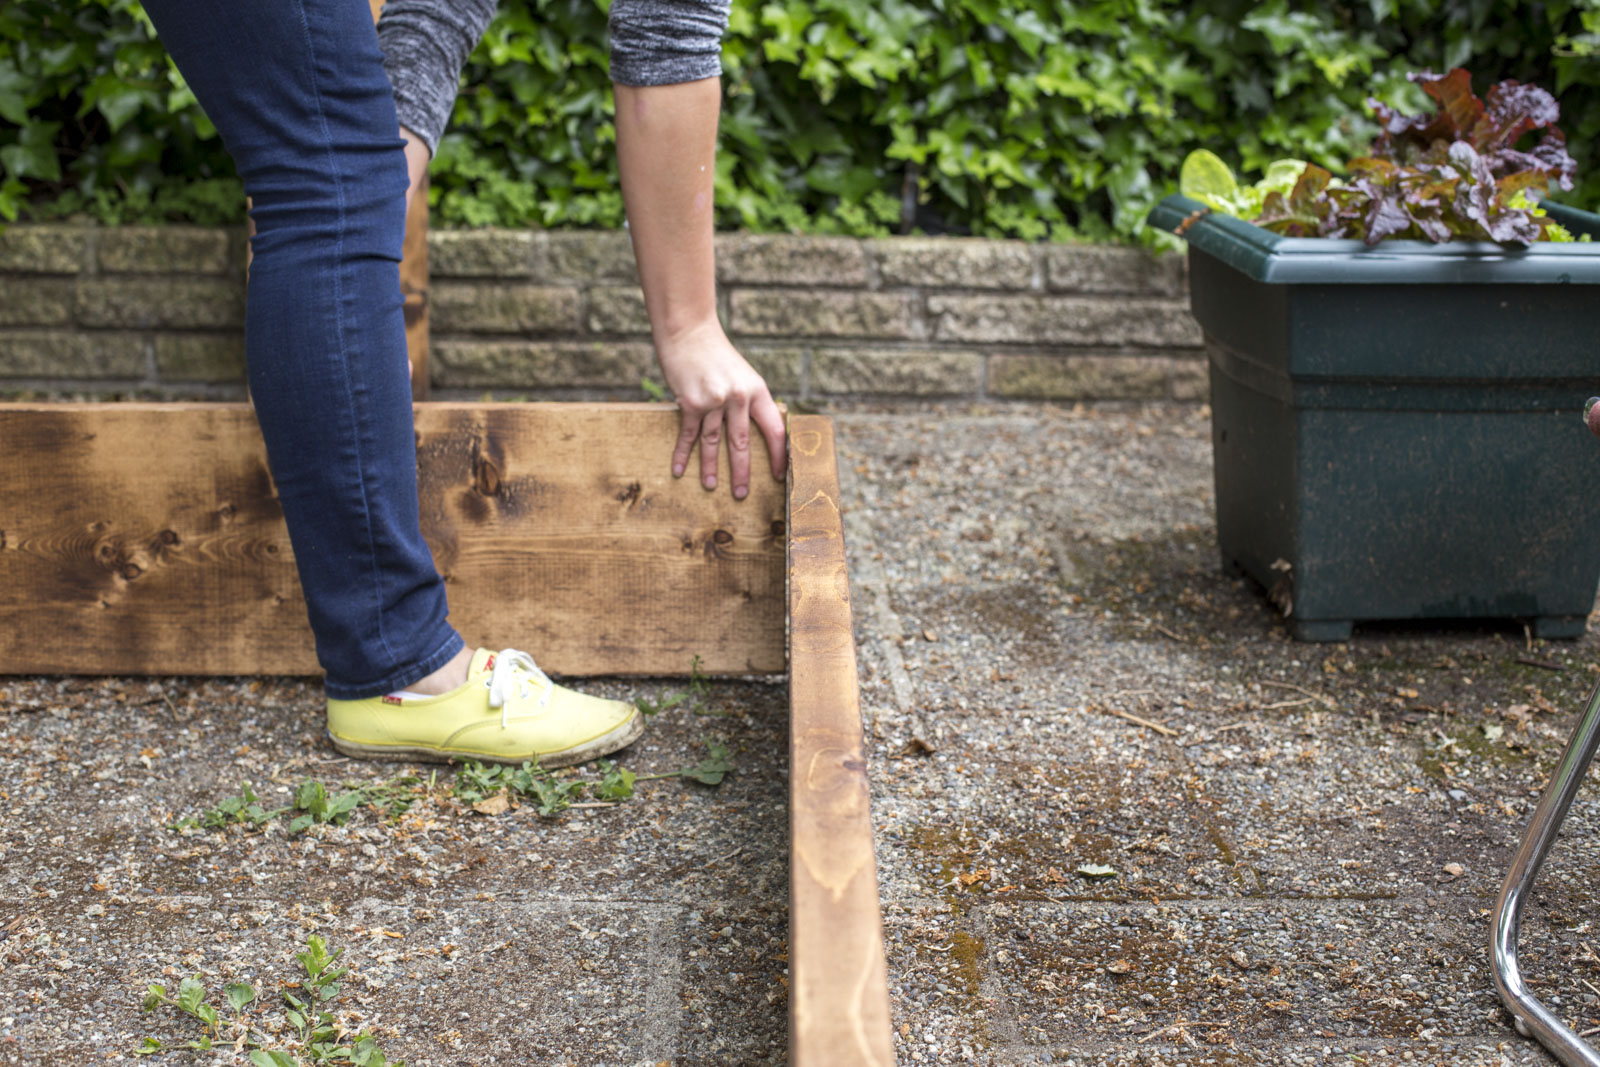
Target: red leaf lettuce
{"type": "Point", "coordinates": [1457, 173]}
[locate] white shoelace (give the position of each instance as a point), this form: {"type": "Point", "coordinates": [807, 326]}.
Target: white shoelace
{"type": "Point", "coordinates": [514, 667]}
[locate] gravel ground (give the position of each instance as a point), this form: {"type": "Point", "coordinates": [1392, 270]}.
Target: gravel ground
{"type": "Point", "coordinates": [1296, 868]}
{"type": "Point", "coordinates": [648, 931]}
{"type": "Point", "coordinates": [1304, 855]}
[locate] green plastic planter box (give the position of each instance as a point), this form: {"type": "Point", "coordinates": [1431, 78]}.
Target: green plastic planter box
{"type": "Point", "coordinates": [1398, 430]}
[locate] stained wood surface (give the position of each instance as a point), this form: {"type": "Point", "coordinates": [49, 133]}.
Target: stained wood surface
{"type": "Point", "coordinates": [148, 538]}
{"type": "Point", "coordinates": [839, 996]}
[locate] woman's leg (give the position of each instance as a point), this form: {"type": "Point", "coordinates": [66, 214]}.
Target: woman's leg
{"type": "Point", "coordinates": [297, 91]}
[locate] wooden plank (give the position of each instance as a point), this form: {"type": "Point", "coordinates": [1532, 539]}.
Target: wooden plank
{"type": "Point", "coordinates": [148, 539]}
{"type": "Point", "coordinates": [839, 997]}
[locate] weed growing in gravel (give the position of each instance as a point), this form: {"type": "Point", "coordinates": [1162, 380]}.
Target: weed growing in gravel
{"type": "Point", "coordinates": [481, 785]}
{"type": "Point", "coordinates": [313, 804]}
{"type": "Point", "coordinates": [486, 788]}
{"type": "Point", "coordinates": [693, 695]}
{"type": "Point", "coordinates": [317, 1035]}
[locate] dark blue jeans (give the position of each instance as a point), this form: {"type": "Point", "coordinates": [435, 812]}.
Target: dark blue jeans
{"type": "Point", "coordinates": [296, 89]}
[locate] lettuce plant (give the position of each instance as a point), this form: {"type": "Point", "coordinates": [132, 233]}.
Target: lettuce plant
{"type": "Point", "coordinates": [1460, 172]}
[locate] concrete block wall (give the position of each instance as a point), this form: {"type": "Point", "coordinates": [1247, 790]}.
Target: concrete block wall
{"type": "Point", "coordinates": [559, 314]}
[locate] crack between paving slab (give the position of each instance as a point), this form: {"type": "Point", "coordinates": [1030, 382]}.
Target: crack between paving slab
{"type": "Point", "coordinates": [1002, 1022]}
{"type": "Point", "coordinates": [1312, 1046]}
{"type": "Point", "coordinates": [663, 996]}
{"type": "Point", "coordinates": [1287, 904]}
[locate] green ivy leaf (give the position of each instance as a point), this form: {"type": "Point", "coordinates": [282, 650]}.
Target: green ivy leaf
{"type": "Point", "coordinates": [33, 154]}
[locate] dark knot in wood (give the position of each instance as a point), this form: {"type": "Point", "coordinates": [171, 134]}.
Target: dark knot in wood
{"type": "Point", "coordinates": [717, 543]}
{"type": "Point", "coordinates": [487, 476]}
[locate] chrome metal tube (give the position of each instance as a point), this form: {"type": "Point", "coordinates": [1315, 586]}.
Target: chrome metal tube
{"type": "Point", "coordinates": [1540, 1022]}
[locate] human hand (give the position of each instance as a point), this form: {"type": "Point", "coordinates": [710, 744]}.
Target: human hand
{"type": "Point", "coordinates": [719, 394]}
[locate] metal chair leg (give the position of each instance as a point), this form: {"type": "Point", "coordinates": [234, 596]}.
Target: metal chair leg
{"type": "Point", "coordinates": [1541, 1023]}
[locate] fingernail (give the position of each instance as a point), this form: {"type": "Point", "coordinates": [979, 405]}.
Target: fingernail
{"type": "Point", "coordinates": [677, 470]}
{"type": "Point", "coordinates": [740, 492]}
{"type": "Point", "coordinates": [711, 483]}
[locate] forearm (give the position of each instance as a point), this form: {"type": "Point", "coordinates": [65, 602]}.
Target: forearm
{"type": "Point", "coordinates": [666, 152]}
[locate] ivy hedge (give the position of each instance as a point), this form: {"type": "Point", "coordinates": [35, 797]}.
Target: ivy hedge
{"type": "Point", "coordinates": [1055, 119]}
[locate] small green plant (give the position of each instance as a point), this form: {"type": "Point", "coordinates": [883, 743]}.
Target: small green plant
{"type": "Point", "coordinates": [693, 695]}
{"type": "Point", "coordinates": [312, 804]}
{"type": "Point", "coordinates": [245, 808]}
{"type": "Point", "coordinates": [709, 771]}
{"type": "Point", "coordinates": [315, 805]}
{"type": "Point", "coordinates": [317, 1035]}
{"type": "Point", "coordinates": [652, 389]}
{"type": "Point", "coordinates": [616, 783]}
{"type": "Point", "coordinates": [663, 702]}
{"type": "Point", "coordinates": [478, 784]}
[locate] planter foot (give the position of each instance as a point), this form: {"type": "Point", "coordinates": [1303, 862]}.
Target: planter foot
{"type": "Point", "coordinates": [1566, 627]}
{"type": "Point", "coordinates": [1321, 629]}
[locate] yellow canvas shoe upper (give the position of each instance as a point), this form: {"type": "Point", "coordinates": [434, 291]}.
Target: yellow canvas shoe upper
{"type": "Point", "coordinates": [508, 711]}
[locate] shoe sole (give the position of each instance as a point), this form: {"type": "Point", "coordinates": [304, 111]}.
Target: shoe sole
{"type": "Point", "coordinates": [612, 740]}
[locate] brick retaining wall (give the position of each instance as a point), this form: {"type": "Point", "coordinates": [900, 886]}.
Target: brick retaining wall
{"type": "Point", "coordinates": [160, 310]}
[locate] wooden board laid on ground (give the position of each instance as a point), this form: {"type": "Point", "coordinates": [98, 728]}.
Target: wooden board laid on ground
{"type": "Point", "coordinates": [148, 539]}
{"type": "Point", "coordinates": [838, 999]}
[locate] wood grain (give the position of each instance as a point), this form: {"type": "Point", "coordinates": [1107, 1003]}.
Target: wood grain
{"type": "Point", "coordinates": [839, 998]}
{"type": "Point", "coordinates": [148, 539]}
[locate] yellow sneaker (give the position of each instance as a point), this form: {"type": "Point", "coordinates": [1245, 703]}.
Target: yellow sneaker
{"type": "Point", "coordinates": [507, 712]}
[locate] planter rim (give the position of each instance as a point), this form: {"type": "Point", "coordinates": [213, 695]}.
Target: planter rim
{"type": "Point", "coordinates": [1269, 257]}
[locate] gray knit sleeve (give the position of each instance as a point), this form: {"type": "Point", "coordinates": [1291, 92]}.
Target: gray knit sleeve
{"type": "Point", "coordinates": [425, 44]}
{"type": "Point", "coordinates": [663, 42]}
